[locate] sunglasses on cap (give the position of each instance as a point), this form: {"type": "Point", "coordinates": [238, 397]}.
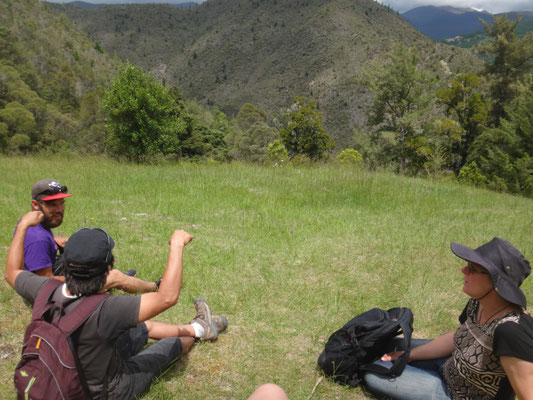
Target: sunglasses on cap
{"type": "Point", "coordinates": [54, 188]}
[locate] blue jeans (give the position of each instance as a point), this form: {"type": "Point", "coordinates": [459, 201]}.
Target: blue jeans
{"type": "Point", "coordinates": [420, 380]}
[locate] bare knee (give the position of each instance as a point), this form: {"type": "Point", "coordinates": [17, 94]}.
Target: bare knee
{"type": "Point", "coordinates": [268, 391]}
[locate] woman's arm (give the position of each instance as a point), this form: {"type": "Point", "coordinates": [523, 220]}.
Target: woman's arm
{"type": "Point", "coordinates": [520, 374]}
{"type": "Point", "coordinates": [440, 347]}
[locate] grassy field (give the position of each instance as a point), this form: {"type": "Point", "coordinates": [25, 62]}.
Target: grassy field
{"type": "Point", "coordinates": [288, 255]}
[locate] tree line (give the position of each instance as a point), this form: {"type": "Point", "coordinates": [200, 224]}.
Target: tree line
{"type": "Point", "coordinates": [478, 127]}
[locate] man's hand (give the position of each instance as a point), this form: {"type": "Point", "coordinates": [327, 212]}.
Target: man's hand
{"type": "Point", "coordinates": [32, 218]}
{"type": "Point", "coordinates": [61, 241]}
{"type": "Point", "coordinates": [180, 238]}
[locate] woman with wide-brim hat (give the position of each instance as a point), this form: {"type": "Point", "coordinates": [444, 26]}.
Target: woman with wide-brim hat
{"type": "Point", "coordinates": [490, 355]}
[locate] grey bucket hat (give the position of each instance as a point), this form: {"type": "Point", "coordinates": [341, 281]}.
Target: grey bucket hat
{"type": "Point", "coordinates": [506, 265]}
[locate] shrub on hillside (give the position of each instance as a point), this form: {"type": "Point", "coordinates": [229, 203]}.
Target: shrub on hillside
{"type": "Point", "coordinates": [302, 131]}
{"type": "Point", "coordinates": [349, 157]}
{"type": "Point", "coordinates": [143, 116]}
{"type": "Point", "coordinates": [276, 154]}
{"type": "Point", "coordinates": [471, 174]}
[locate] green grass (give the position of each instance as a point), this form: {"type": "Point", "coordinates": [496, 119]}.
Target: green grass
{"type": "Point", "coordinates": [288, 255]}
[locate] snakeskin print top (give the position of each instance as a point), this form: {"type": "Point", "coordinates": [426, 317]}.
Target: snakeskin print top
{"type": "Point", "coordinates": [474, 371]}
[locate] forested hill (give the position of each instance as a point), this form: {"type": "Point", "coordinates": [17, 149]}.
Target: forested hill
{"type": "Point", "coordinates": [51, 78]}
{"type": "Point", "coordinates": [265, 52]}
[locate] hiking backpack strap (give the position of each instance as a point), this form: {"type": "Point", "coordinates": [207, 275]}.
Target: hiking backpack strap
{"type": "Point", "coordinates": [74, 318]}
{"type": "Point", "coordinates": [42, 303]}
{"type": "Point", "coordinates": [404, 317]}
{"type": "Point", "coordinates": [72, 321]}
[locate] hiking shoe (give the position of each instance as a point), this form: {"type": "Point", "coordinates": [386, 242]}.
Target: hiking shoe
{"type": "Point", "coordinates": [131, 272]}
{"type": "Point", "coordinates": [210, 329]}
{"type": "Point", "coordinates": [221, 322]}
{"type": "Point", "coordinates": [202, 310]}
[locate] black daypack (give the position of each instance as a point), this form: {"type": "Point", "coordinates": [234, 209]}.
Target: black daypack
{"type": "Point", "coordinates": [49, 368]}
{"type": "Point", "coordinates": [352, 349]}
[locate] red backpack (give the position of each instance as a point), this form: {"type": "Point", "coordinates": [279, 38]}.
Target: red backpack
{"type": "Point", "coordinates": [49, 368]}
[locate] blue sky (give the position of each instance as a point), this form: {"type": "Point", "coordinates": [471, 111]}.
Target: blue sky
{"type": "Point", "coordinates": [493, 6]}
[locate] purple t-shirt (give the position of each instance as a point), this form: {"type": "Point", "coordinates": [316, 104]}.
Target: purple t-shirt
{"type": "Point", "coordinates": [40, 249]}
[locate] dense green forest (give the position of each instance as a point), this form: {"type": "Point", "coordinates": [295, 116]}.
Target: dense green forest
{"type": "Point", "coordinates": [61, 92]}
{"type": "Point", "coordinates": [51, 78]}
{"type": "Point", "coordinates": [228, 53]}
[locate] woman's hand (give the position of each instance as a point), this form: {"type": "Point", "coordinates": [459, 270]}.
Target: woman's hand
{"type": "Point", "coordinates": [392, 356]}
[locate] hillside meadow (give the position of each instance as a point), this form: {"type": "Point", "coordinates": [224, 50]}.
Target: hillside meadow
{"type": "Point", "coordinates": [287, 254]}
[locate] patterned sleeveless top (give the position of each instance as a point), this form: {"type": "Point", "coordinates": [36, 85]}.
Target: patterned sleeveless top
{"type": "Point", "coordinates": [474, 371]}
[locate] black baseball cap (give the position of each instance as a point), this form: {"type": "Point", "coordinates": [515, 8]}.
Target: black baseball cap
{"type": "Point", "coordinates": [507, 267]}
{"type": "Point", "coordinates": [88, 252]}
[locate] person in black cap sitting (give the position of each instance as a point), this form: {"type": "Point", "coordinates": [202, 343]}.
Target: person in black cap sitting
{"type": "Point", "coordinates": [490, 355]}
{"type": "Point", "coordinates": [41, 246]}
{"type": "Point", "coordinates": [109, 343]}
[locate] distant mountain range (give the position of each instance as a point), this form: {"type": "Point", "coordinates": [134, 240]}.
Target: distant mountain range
{"type": "Point", "coordinates": [448, 22]}
{"type": "Point", "coordinates": [264, 52]}
{"type": "Point", "coordinates": [177, 3]}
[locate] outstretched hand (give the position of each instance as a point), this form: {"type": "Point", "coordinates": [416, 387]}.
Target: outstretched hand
{"type": "Point", "coordinates": [392, 356]}
{"type": "Point", "coordinates": [180, 237]}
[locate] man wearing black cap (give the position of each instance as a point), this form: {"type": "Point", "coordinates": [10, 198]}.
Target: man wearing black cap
{"type": "Point", "coordinates": [490, 355]}
{"type": "Point", "coordinates": [40, 247]}
{"type": "Point", "coordinates": [109, 344]}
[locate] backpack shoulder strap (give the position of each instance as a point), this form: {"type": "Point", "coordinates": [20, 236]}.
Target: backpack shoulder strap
{"type": "Point", "coordinates": [72, 321]}
{"type": "Point", "coordinates": [41, 304]}
{"type": "Point", "coordinates": [74, 318]}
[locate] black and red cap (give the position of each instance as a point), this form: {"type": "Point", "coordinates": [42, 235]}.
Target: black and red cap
{"type": "Point", "coordinates": [49, 189]}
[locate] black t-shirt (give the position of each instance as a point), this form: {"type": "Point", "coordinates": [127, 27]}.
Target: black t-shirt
{"type": "Point", "coordinates": [97, 336]}
{"type": "Point", "coordinates": [515, 339]}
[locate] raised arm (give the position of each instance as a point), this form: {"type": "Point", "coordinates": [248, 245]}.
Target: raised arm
{"type": "Point", "coordinates": [169, 290]}
{"type": "Point", "coordinates": [439, 347]}
{"type": "Point", "coordinates": [15, 255]}
{"type": "Point", "coordinates": [520, 374]}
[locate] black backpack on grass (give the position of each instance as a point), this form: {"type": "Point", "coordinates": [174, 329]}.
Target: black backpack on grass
{"type": "Point", "coordinates": [49, 368]}
{"type": "Point", "coordinates": [351, 350]}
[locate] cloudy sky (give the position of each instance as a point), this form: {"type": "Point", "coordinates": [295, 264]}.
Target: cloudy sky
{"type": "Point", "coordinates": [493, 6]}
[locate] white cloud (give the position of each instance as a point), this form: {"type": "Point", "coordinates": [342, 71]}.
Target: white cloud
{"type": "Point", "coordinates": [493, 6]}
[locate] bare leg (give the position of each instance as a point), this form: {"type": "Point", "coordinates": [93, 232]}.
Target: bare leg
{"type": "Point", "coordinates": [186, 344]}
{"type": "Point", "coordinates": [129, 284]}
{"type": "Point", "coordinates": [269, 391]}
{"type": "Point", "coordinates": [160, 330]}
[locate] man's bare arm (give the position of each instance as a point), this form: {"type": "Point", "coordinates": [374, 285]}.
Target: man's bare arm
{"type": "Point", "coordinates": [15, 254]}
{"type": "Point", "coordinates": [155, 303]}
